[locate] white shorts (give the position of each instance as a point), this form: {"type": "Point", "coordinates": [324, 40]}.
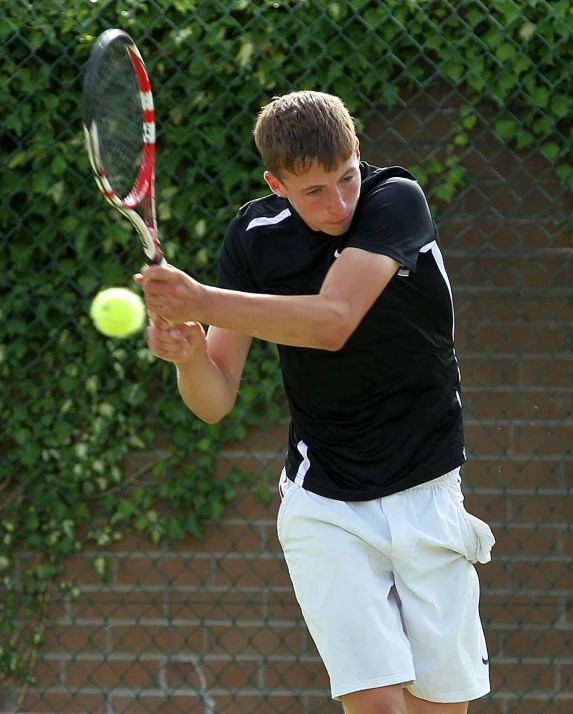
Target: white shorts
{"type": "Point", "coordinates": [388, 590]}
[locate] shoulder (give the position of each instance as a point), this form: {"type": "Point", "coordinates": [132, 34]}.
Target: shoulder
{"type": "Point", "coordinates": [393, 180]}
{"type": "Point", "coordinates": [261, 213]}
{"type": "Point", "coordinates": [394, 191]}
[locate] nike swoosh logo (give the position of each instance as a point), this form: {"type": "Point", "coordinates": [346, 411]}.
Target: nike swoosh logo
{"type": "Point", "coordinates": [336, 253]}
{"type": "Point", "coordinates": [485, 661]}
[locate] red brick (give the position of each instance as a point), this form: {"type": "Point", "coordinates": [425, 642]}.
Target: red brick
{"type": "Point", "coordinates": [217, 604]}
{"type": "Point", "coordinates": [43, 702]}
{"type": "Point", "coordinates": [519, 677]}
{"type": "Point", "coordinates": [516, 405]}
{"type": "Point", "coordinates": [542, 509]}
{"type": "Point", "coordinates": [222, 538]}
{"type": "Point", "coordinates": [322, 704]}
{"type": "Point", "coordinates": [231, 673]}
{"type": "Point", "coordinates": [280, 703]}
{"type": "Point", "coordinates": [249, 506]}
{"type": "Point", "coordinates": [552, 643]}
{"type": "Point", "coordinates": [255, 640]}
{"type": "Point", "coordinates": [48, 673]}
{"type": "Point", "coordinates": [164, 570]}
{"type": "Point", "coordinates": [294, 675]}
{"type": "Point", "coordinates": [270, 439]}
{"type": "Point", "coordinates": [484, 473]}
{"type": "Point", "coordinates": [493, 575]}
{"type": "Point", "coordinates": [542, 576]}
{"type": "Point", "coordinates": [283, 606]}
{"type": "Point", "coordinates": [538, 541]}
{"type": "Point", "coordinates": [272, 541]}
{"type": "Point", "coordinates": [147, 704]}
{"type": "Point", "coordinates": [490, 371]}
{"type": "Point", "coordinates": [124, 673]}
{"type": "Point", "coordinates": [566, 677]}
{"type": "Point", "coordinates": [111, 605]}
{"type": "Point", "coordinates": [265, 467]}
{"type": "Point", "coordinates": [494, 508]}
{"type": "Point", "coordinates": [568, 473]}
{"type": "Point", "coordinates": [510, 305]}
{"type": "Point", "coordinates": [555, 371]}
{"type": "Point", "coordinates": [490, 439]}
{"type": "Point", "coordinates": [510, 338]}
{"type": "Point", "coordinates": [542, 704]}
{"type": "Point", "coordinates": [521, 611]}
{"type": "Point", "coordinates": [491, 705]}
{"type": "Point", "coordinates": [155, 639]}
{"type": "Point", "coordinates": [546, 440]}
{"type": "Point", "coordinates": [88, 639]}
{"type": "Point", "coordinates": [236, 570]}
{"type": "Point", "coordinates": [80, 566]}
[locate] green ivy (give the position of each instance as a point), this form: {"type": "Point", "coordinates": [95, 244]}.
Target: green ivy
{"type": "Point", "coordinates": [81, 417]}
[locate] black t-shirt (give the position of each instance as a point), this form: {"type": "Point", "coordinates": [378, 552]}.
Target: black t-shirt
{"type": "Point", "coordinates": [382, 414]}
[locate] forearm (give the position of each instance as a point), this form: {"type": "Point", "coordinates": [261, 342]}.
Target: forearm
{"type": "Point", "coordinates": [205, 389]}
{"type": "Point", "coordinates": [301, 321]}
{"type": "Point", "coordinates": [323, 321]}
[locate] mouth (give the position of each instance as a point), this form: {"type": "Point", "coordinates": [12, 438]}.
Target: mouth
{"type": "Point", "coordinates": [343, 220]}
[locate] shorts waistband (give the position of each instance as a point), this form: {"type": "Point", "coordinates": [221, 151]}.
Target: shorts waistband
{"type": "Point", "coordinates": [451, 476]}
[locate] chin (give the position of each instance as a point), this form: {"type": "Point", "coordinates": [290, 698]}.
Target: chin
{"type": "Point", "coordinates": [335, 230]}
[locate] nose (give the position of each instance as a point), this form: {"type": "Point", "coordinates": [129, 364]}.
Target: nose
{"type": "Point", "coordinates": [337, 205]}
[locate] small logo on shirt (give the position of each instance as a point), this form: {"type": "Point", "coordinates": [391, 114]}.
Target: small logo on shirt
{"type": "Point", "coordinates": [485, 661]}
{"type": "Point", "coordinates": [337, 253]}
{"type": "Point", "coordinates": [403, 272]}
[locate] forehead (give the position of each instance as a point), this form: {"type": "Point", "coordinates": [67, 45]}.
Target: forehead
{"type": "Point", "coordinates": [316, 174]}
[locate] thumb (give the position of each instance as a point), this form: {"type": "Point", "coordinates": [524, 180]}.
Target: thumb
{"type": "Point", "coordinates": [192, 331]}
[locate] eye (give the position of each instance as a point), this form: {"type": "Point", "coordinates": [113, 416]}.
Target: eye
{"type": "Point", "coordinates": [348, 179]}
{"type": "Point", "coordinates": [314, 192]}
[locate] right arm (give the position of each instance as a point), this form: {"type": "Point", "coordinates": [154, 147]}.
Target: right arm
{"type": "Point", "coordinates": [209, 367]}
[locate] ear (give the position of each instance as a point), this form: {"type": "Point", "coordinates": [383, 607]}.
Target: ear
{"type": "Point", "coordinates": [357, 148]}
{"type": "Point", "coordinates": [274, 184]}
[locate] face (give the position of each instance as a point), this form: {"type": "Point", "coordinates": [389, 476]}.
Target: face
{"type": "Point", "coordinates": [325, 200]}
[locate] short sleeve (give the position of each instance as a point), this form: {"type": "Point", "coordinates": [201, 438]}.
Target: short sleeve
{"type": "Point", "coordinates": [233, 271]}
{"type": "Point", "coordinates": [395, 221]}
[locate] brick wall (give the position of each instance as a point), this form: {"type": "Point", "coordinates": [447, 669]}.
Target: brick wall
{"type": "Point", "coordinates": [213, 627]}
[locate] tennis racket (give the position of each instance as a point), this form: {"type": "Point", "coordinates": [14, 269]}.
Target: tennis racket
{"type": "Point", "coordinates": [119, 124]}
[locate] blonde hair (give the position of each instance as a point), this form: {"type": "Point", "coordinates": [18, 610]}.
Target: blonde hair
{"type": "Point", "coordinates": [304, 127]}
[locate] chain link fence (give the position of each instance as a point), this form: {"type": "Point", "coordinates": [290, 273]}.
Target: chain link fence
{"type": "Point", "coordinates": [123, 589]}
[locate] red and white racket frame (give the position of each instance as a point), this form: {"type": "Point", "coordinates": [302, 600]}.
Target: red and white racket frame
{"type": "Point", "coordinates": [142, 194]}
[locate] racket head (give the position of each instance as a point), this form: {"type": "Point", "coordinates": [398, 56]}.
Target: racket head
{"type": "Point", "coordinates": [119, 124]}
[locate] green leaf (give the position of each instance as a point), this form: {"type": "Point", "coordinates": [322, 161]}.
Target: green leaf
{"type": "Point", "coordinates": [505, 51]}
{"type": "Point", "coordinates": [505, 127]}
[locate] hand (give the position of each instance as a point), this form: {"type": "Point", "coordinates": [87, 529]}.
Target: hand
{"type": "Point", "coordinates": [175, 343]}
{"type": "Point", "coordinates": [171, 293]}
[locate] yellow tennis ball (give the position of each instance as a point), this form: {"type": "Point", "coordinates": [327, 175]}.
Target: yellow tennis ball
{"type": "Point", "coordinates": [118, 312]}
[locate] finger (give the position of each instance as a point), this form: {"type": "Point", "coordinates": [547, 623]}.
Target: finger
{"type": "Point", "coordinates": [162, 273]}
{"type": "Point", "coordinates": [158, 321]}
{"type": "Point", "coordinates": [159, 287]}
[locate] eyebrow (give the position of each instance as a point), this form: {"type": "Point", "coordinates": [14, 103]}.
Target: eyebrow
{"type": "Point", "coordinates": [322, 185]}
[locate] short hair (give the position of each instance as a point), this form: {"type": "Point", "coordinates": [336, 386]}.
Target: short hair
{"type": "Point", "coordinates": [300, 128]}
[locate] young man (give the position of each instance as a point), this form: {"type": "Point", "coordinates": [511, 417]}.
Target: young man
{"type": "Point", "coordinates": [341, 267]}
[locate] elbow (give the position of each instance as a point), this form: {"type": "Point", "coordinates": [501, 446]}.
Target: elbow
{"type": "Point", "coordinates": [337, 324]}
{"type": "Point", "coordinates": [336, 336]}
{"type": "Point", "coordinates": [211, 419]}
{"type": "Point", "coordinates": [209, 416]}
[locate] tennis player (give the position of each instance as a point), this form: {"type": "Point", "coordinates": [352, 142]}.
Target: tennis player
{"type": "Point", "coordinates": [341, 267]}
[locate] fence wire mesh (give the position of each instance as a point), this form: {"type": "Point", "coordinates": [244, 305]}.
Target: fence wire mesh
{"type": "Point", "coordinates": [190, 609]}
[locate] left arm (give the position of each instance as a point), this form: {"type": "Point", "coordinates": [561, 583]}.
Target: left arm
{"type": "Point", "coordinates": [323, 321]}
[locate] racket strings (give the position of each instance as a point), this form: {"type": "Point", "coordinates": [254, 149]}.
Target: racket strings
{"type": "Point", "coordinates": [118, 113]}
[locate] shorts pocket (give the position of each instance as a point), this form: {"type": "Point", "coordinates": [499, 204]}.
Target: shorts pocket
{"type": "Point", "coordinates": [485, 538]}
{"type": "Point", "coordinates": [286, 489]}
{"type": "Point", "coordinates": [478, 536]}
